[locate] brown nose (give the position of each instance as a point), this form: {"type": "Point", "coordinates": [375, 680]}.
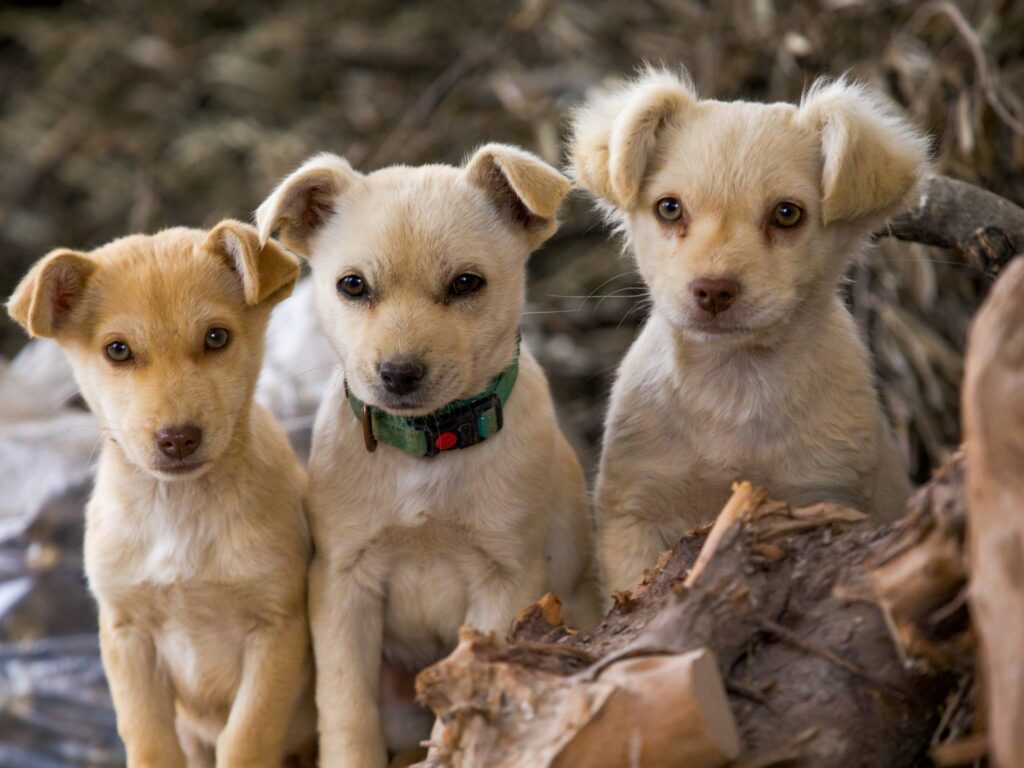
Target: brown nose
{"type": "Point", "coordinates": [714, 295]}
{"type": "Point", "coordinates": [179, 442]}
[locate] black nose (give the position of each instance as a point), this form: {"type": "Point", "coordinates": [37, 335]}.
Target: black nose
{"type": "Point", "coordinates": [714, 295]}
{"type": "Point", "coordinates": [179, 442]}
{"type": "Point", "coordinates": [402, 375]}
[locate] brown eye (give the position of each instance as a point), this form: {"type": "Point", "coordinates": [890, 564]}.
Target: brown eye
{"type": "Point", "coordinates": [352, 286]}
{"type": "Point", "coordinates": [466, 283]}
{"type": "Point", "coordinates": [787, 215]}
{"type": "Point", "coordinates": [669, 208]}
{"type": "Point", "coordinates": [217, 338]}
{"type": "Point", "coordinates": [119, 352]}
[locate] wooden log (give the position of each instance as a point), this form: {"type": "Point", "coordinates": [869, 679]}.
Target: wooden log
{"type": "Point", "coordinates": [993, 404]}
{"type": "Point", "coordinates": [665, 711]}
{"type": "Point", "coordinates": [783, 599]}
{"type": "Point", "coordinates": [920, 582]}
{"type": "Point", "coordinates": [657, 711]}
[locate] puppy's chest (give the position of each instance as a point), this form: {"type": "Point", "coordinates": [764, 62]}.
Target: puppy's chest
{"type": "Point", "coordinates": [167, 542]}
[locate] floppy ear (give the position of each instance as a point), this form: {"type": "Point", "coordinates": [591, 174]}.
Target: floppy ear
{"type": "Point", "coordinates": [872, 159]}
{"type": "Point", "coordinates": [614, 135]}
{"type": "Point", "coordinates": [267, 271]}
{"type": "Point", "coordinates": [525, 190]}
{"type": "Point", "coordinates": [47, 296]}
{"type": "Point", "coordinates": [301, 204]}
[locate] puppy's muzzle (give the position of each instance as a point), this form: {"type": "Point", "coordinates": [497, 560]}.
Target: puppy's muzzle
{"type": "Point", "coordinates": [402, 375]}
{"type": "Point", "coordinates": [179, 442]}
{"type": "Point", "coordinates": [715, 295]}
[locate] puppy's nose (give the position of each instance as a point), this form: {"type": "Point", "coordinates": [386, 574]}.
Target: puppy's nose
{"type": "Point", "coordinates": [179, 442]}
{"type": "Point", "coordinates": [714, 295]}
{"type": "Point", "coordinates": [402, 375]}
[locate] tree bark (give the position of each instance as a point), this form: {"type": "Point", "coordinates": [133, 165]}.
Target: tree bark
{"type": "Point", "coordinates": [784, 601]}
{"type": "Point", "coordinates": [993, 401]}
{"type": "Point", "coordinates": [986, 229]}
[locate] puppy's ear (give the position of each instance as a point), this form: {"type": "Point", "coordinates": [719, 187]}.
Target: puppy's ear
{"type": "Point", "coordinates": [267, 271]}
{"type": "Point", "coordinates": [302, 203]}
{"type": "Point", "coordinates": [47, 296]}
{"type": "Point", "coordinates": [525, 190]}
{"type": "Point", "coordinates": [872, 159]}
{"type": "Point", "coordinates": [614, 135]}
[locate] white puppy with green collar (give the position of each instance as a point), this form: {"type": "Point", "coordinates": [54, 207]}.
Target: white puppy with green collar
{"type": "Point", "coordinates": [442, 491]}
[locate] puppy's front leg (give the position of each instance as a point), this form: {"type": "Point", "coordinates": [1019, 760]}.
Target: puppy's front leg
{"type": "Point", "coordinates": [347, 622]}
{"type": "Point", "coordinates": [273, 675]}
{"type": "Point", "coordinates": [499, 593]}
{"type": "Point", "coordinates": [143, 696]}
{"type": "Point", "coordinates": [626, 544]}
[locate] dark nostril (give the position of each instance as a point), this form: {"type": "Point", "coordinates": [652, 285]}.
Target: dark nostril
{"type": "Point", "coordinates": [715, 295]}
{"type": "Point", "coordinates": [179, 442]}
{"type": "Point", "coordinates": [402, 376]}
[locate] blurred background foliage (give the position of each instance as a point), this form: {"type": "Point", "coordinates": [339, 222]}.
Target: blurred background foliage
{"type": "Point", "coordinates": [118, 116]}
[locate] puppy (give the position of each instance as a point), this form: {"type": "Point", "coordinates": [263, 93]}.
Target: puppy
{"type": "Point", "coordinates": [197, 546]}
{"type": "Point", "coordinates": [742, 218]}
{"type": "Point", "coordinates": [442, 492]}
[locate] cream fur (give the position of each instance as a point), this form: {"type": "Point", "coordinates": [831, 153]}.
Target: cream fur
{"type": "Point", "coordinates": [200, 576]}
{"type": "Point", "coordinates": [409, 549]}
{"type": "Point", "coordinates": [778, 389]}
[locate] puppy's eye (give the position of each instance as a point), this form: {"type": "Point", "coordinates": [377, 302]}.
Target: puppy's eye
{"type": "Point", "coordinates": [119, 352]}
{"type": "Point", "coordinates": [787, 215]}
{"type": "Point", "coordinates": [352, 286]}
{"type": "Point", "coordinates": [217, 338]}
{"type": "Point", "coordinates": [465, 284]}
{"type": "Point", "coordinates": [669, 208]}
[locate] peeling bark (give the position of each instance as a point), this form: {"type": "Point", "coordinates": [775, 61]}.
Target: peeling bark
{"type": "Point", "coordinates": [994, 443]}
{"type": "Point", "coordinates": [781, 597]}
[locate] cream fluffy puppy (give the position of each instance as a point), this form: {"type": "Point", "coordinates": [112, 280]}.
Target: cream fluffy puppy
{"type": "Point", "coordinates": [742, 218]}
{"type": "Point", "coordinates": [419, 276]}
{"type": "Point", "coordinates": [196, 544]}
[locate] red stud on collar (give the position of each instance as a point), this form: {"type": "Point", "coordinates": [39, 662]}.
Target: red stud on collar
{"type": "Point", "coordinates": [446, 440]}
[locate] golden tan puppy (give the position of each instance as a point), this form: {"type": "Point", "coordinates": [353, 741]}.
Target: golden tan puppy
{"type": "Point", "coordinates": [196, 545]}
{"type": "Point", "coordinates": [742, 218]}
{"type": "Point", "coordinates": [442, 491]}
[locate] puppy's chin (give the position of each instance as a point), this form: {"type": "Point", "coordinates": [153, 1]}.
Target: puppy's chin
{"type": "Point", "coordinates": [418, 403]}
{"type": "Point", "coordinates": [732, 330]}
{"type": "Point", "coordinates": [173, 471]}
{"type": "Point", "coordinates": [435, 393]}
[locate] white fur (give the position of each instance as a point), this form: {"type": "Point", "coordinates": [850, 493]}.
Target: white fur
{"type": "Point", "coordinates": [777, 389]}
{"type": "Point", "coordinates": [409, 549]}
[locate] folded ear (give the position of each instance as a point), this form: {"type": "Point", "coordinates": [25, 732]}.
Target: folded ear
{"type": "Point", "coordinates": [872, 159]}
{"type": "Point", "coordinates": [48, 295]}
{"type": "Point", "coordinates": [302, 203]}
{"type": "Point", "coordinates": [267, 271]}
{"type": "Point", "coordinates": [615, 134]}
{"type": "Point", "coordinates": [525, 190]}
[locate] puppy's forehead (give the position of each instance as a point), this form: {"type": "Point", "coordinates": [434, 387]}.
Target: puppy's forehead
{"type": "Point", "coordinates": [728, 154]}
{"type": "Point", "coordinates": [168, 277]}
{"type": "Point", "coordinates": [426, 215]}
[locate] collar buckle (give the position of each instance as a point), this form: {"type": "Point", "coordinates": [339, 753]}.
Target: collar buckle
{"type": "Point", "coordinates": [369, 439]}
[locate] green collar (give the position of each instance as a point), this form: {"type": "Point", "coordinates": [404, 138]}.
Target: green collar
{"type": "Point", "coordinates": [459, 424]}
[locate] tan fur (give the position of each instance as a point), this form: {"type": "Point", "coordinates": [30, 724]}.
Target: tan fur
{"type": "Point", "coordinates": [200, 576]}
{"type": "Point", "coordinates": [408, 549]}
{"type": "Point", "coordinates": [778, 389]}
